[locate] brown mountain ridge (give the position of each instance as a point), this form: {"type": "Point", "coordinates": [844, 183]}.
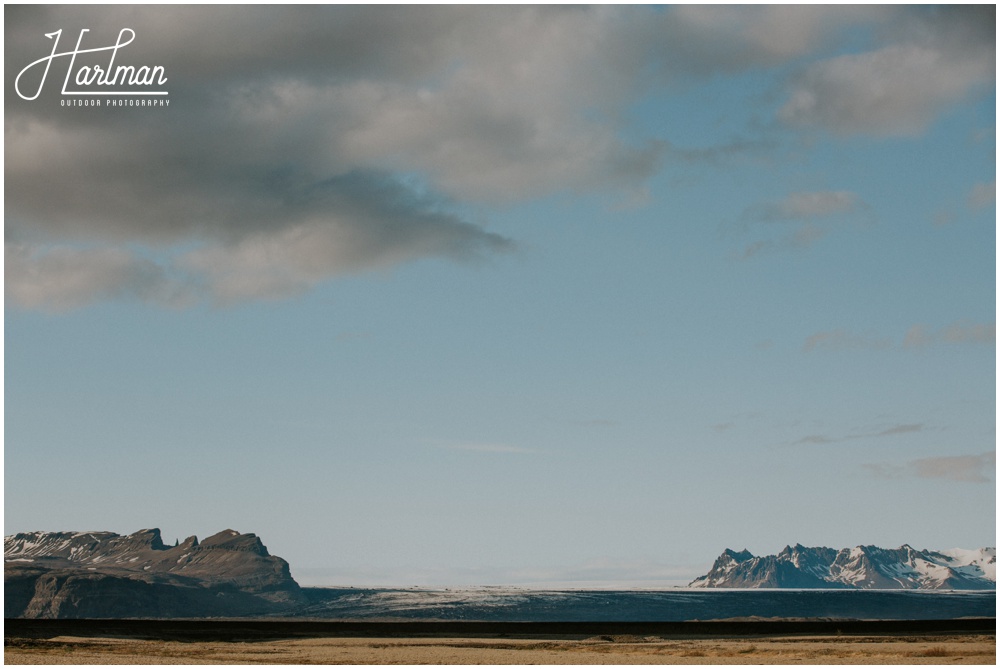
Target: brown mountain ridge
{"type": "Point", "coordinates": [107, 575]}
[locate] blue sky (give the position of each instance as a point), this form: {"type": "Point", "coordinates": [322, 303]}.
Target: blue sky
{"type": "Point", "coordinates": [509, 295]}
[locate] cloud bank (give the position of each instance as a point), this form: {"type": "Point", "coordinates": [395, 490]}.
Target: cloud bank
{"type": "Point", "coordinates": [304, 143]}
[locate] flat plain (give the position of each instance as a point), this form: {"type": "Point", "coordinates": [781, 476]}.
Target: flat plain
{"type": "Point", "coordinates": [613, 649]}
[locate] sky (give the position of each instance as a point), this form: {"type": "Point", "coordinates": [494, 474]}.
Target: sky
{"type": "Point", "coordinates": [503, 295]}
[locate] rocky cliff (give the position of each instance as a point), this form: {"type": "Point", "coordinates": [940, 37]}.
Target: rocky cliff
{"type": "Point", "coordinates": [106, 575]}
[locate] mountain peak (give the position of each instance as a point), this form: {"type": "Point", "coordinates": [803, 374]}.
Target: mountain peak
{"type": "Point", "coordinates": [150, 537]}
{"type": "Point", "coordinates": [234, 541]}
{"type": "Point", "coordinates": [738, 556]}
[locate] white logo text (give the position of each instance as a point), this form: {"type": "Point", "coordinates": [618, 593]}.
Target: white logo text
{"type": "Point", "coordinates": [90, 76]}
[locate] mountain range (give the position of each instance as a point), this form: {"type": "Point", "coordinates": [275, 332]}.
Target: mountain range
{"type": "Point", "coordinates": [861, 567]}
{"type": "Point", "coordinates": [229, 574]}
{"type": "Point", "coordinates": [107, 575]}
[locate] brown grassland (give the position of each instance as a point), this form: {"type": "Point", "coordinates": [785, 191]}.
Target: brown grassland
{"type": "Point", "coordinates": [620, 649]}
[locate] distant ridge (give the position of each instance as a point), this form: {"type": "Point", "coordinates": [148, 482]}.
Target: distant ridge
{"type": "Point", "coordinates": [104, 575]}
{"type": "Point", "coordinates": [861, 567]}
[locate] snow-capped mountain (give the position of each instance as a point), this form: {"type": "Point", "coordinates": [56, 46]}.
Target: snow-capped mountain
{"type": "Point", "coordinates": [862, 567]}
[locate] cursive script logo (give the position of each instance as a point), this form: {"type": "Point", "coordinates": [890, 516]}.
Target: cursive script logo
{"type": "Point", "coordinates": [95, 75]}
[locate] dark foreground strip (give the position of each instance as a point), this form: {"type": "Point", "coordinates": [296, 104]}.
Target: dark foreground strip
{"type": "Point", "coordinates": [262, 630]}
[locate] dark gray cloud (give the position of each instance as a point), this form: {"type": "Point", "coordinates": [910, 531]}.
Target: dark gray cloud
{"type": "Point", "coordinates": [814, 439]}
{"type": "Point", "coordinates": [299, 144]}
{"type": "Point", "coordinates": [700, 40]}
{"type": "Point", "coordinates": [238, 45]}
{"type": "Point", "coordinates": [937, 56]}
{"type": "Point", "coordinates": [899, 429]}
{"type": "Point", "coordinates": [345, 224]}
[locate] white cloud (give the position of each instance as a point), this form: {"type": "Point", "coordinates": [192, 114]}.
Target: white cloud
{"type": "Point", "coordinates": [919, 336]}
{"type": "Point", "coordinates": [837, 340]}
{"type": "Point", "coordinates": [480, 447]}
{"type": "Point", "coordinates": [983, 195]}
{"type": "Point", "coordinates": [63, 278]}
{"type": "Point", "coordinates": [962, 468]}
{"type": "Point", "coordinates": [811, 212]}
{"type": "Point", "coordinates": [891, 431]}
{"type": "Point", "coordinates": [979, 468]}
{"type": "Point", "coordinates": [805, 205]}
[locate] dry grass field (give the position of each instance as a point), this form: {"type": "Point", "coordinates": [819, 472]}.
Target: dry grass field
{"type": "Point", "coordinates": [814, 649]}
